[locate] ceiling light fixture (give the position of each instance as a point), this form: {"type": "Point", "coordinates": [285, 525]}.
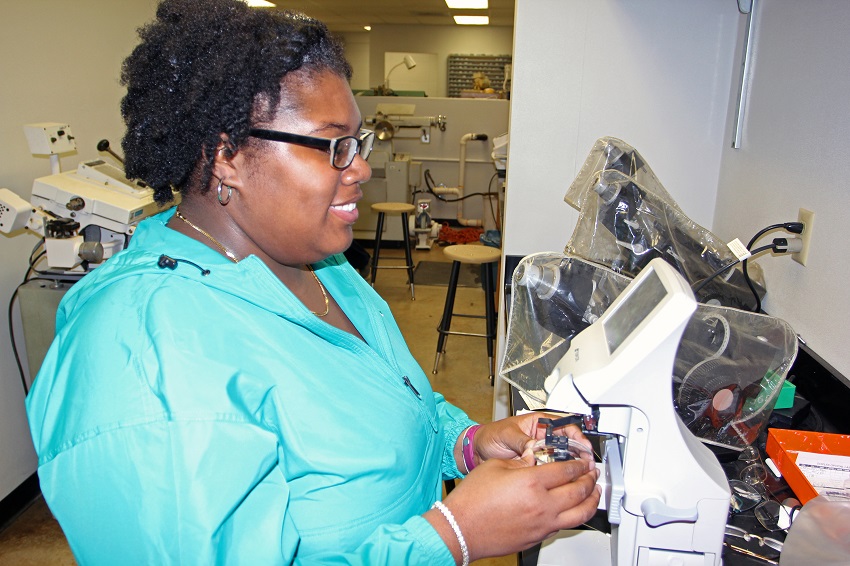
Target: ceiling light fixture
{"type": "Point", "coordinates": [472, 20]}
{"type": "Point", "coordinates": [259, 4]}
{"type": "Point", "coordinates": [367, 28]}
{"type": "Point", "coordinates": [467, 4]}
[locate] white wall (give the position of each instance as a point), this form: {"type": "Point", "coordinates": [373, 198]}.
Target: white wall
{"type": "Point", "coordinates": [60, 63]}
{"type": "Point", "coordinates": [440, 40]}
{"type": "Point", "coordinates": [795, 154]}
{"type": "Point", "coordinates": [357, 53]}
{"type": "Point", "coordinates": [655, 73]}
{"type": "Point", "coordinates": [422, 77]}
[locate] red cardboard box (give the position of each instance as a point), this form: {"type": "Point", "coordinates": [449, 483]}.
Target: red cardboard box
{"type": "Point", "coordinates": [784, 445]}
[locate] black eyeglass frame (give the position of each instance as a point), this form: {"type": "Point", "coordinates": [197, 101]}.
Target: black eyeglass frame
{"type": "Point", "coordinates": [364, 140]}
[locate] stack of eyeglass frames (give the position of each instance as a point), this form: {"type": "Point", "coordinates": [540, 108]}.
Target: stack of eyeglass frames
{"type": "Point", "coordinates": [750, 494]}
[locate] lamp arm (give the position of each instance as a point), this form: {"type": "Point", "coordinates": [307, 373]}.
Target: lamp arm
{"type": "Point", "coordinates": [387, 78]}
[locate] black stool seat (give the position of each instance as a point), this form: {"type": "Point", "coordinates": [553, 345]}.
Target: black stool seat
{"type": "Point", "coordinates": [488, 258]}
{"type": "Point", "coordinates": [384, 208]}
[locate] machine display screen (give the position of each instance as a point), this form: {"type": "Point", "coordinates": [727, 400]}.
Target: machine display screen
{"type": "Point", "coordinates": [629, 313]}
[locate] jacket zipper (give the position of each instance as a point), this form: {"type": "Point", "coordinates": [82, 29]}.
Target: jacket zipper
{"type": "Point", "coordinates": [410, 385]}
{"type": "Point", "coordinates": [376, 320]}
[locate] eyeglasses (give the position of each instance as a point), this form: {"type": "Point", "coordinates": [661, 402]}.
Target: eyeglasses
{"type": "Point", "coordinates": [772, 515]}
{"type": "Point", "coordinates": [733, 531]}
{"type": "Point", "coordinates": [342, 150]}
{"type": "Point", "coordinates": [772, 543]}
{"type": "Point", "coordinates": [744, 496]}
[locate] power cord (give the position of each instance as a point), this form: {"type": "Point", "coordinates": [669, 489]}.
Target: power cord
{"type": "Point", "coordinates": [793, 227]}
{"type": "Point", "coordinates": [33, 260]}
{"type": "Point", "coordinates": [429, 182]}
{"type": "Point", "coordinates": [779, 245]}
{"type": "Point", "coordinates": [36, 255]}
{"type": "Point", "coordinates": [14, 344]}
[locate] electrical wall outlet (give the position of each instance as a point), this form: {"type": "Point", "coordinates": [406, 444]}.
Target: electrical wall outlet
{"type": "Point", "coordinates": [807, 217]}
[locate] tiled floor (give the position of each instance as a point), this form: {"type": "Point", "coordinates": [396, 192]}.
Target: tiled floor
{"type": "Point", "coordinates": [35, 538]}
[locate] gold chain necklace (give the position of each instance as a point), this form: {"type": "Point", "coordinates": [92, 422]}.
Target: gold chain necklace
{"type": "Point", "coordinates": [324, 294]}
{"type": "Point", "coordinates": [235, 259]}
{"type": "Point", "coordinates": [218, 244]}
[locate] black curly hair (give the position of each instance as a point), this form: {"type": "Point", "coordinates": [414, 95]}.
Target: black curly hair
{"type": "Point", "coordinates": [201, 70]}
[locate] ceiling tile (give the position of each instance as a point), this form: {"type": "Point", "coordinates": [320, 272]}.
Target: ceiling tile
{"type": "Point", "coordinates": [346, 15]}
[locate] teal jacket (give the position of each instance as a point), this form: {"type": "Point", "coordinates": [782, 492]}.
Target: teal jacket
{"type": "Point", "coordinates": [184, 418]}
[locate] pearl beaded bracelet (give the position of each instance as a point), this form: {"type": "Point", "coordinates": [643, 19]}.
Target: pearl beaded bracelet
{"type": "Point", "coordinates": [464, 551]}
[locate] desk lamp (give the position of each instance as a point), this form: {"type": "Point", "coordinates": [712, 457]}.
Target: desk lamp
{"type": "Point", "coordinates": [384, 89]}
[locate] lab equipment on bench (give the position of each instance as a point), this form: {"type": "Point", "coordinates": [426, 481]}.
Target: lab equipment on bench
{"type": "Point", "coordinates": [500, 154]}
{"type": "Point", "coordinates": [395, 174]}
{"type": "Point", "coordinates": [86, 215]}
{"type": "Point", "coordinates": [732, 363]}
{"type": "Point", "coordinates": [665, 493]}
{"type": "Point", "coordinates": [423, 226]}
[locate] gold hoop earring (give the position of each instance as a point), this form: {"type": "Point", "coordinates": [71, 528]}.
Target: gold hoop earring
{"type": "Point", "coordinates": [223, 202]}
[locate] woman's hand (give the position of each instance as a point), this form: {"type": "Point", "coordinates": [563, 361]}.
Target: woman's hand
{"type": "Point", "coordinates": [514, 437]}
{"type": "Point", "coordinates": [505, 506]}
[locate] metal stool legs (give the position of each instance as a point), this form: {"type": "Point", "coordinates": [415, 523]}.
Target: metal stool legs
{"type": "Point", "coordinates": [489, 278]}
{"type": "Point", "coordinates": [377, 251]}
{"type": "Point", "coordinates": [444, 329]}
{"type": "Point", "coordinates": [446, 321]}
{"type": "Point", "coordinates": [408, 254]}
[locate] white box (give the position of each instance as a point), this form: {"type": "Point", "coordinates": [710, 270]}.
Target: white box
{"type": "Point", "coordinates": [14, 211]}
{"type": "Point", "coordinates": [49, 138]}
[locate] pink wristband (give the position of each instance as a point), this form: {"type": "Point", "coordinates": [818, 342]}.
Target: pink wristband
{"type": "Point", "coordinates": [468, 448]}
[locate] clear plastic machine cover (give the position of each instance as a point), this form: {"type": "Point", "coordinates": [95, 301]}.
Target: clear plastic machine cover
{"type": "Point", "coordinates": [553, 298]}
{"type": "Point", "coordinates": [627, 218]}
{"type": "Point", "coordinates": [728, 371]}
{"type": "Point", "coordinates": [731, 363]}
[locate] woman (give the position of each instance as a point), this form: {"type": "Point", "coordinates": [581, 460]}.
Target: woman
{"type": "Point", "coordinates": [228, 389]}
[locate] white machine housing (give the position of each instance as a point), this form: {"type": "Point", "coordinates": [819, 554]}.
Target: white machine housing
{"type": "Point", "coordinates": [49, 138]}
{"type": "Point", "coordinates": [500, 153]}
{"type": "Point", "coordinates": [95, 194]}
{"type": "Point", "coordinates": [671, 502]}
{"type": "Point", "coordinates": [108, 198]}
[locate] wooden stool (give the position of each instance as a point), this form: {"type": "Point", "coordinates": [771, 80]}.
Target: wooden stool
{"type": "Point", "coordinates": [487, 257]}
{"type": "Point", "coordinates": [384, 208]}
